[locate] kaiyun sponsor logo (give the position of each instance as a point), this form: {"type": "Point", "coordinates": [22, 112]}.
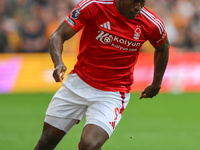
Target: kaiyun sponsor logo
{"type": "Point", "coordinates": [107, 38]}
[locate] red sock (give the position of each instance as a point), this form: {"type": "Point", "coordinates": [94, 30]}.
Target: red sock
{"type": "Point", "coordinates": [79, 146]}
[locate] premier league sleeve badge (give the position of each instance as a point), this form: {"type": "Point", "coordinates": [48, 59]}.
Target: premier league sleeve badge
{"type": "Point", "coordinates": [75, 13]}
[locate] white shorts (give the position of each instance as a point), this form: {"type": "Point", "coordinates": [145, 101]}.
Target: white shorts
{"type": "Point", "coordinates": [76, 99]}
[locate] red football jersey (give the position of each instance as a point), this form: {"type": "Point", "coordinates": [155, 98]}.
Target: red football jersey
{"type": "Point", "coordinates": [110, 42]}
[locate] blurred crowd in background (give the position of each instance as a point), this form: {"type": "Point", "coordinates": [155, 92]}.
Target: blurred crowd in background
{"type": "Point", "coordinates": [26, 25]}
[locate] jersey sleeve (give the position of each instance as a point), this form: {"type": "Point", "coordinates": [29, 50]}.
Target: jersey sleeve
{"type": "Point", "coordinates": [81, 14]}
{"type": "Point", "coordinates": [157, 34]}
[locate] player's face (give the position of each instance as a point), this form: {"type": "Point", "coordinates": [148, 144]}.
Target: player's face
{"type": "Point", "coordinates": [130, 8]}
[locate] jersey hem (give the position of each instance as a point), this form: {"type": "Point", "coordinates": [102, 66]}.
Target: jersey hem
{"type": "Point", "coordinates": [103, 87]}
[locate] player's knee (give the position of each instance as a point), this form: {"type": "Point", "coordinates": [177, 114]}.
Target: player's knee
{"type": "Point", "coordinates": [89, 144]}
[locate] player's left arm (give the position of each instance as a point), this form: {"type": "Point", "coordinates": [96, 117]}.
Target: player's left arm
{"type": "Point", "coordinates": [161, 55]}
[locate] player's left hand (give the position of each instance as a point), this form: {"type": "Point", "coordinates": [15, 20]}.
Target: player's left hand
{"type": "Point", "coordinates": [150, 91]}
{"type": "Point", "coordinates": [59, 72]}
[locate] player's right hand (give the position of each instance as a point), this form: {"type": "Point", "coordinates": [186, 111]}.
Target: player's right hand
{"type": "Point", "coordinates": [58, 73]}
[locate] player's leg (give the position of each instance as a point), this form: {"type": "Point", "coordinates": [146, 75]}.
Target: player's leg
{"type": "Point", "coordinates": [103, 114]}
{"type": "Point", "coordinates": [50, 137]}
{"type": "Point", "coordinates": [53, 131]}
{"type": "Point", "coordinates": [93, 137]}
{"type": "Point", "coordinates": [64, 106]}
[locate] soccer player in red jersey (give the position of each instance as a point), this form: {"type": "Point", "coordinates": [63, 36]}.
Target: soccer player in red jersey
{"type": "Point", "coordinates": [99, 85]}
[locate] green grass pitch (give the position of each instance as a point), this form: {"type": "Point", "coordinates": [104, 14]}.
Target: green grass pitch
{"type": "Point", "coordinates": [166, 122]}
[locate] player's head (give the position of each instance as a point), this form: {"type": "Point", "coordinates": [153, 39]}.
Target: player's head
{"type": "Point", "coordinates": [130, 8]}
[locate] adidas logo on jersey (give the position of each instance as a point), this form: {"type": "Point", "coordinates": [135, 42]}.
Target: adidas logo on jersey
{"type": "Point", "coordinates": [106, 25]}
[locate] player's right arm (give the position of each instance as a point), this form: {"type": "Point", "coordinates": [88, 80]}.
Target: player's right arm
{"type": "Point", "coordinates": [76, 20]}
{"type": "Point", "coordinates": [63, 33]}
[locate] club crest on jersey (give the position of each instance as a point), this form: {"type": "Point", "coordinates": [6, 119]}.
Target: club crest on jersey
{"type": "Point", "coordinates": [75, 13]}
{"type": "Point", "coordinates": [137, 33]}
